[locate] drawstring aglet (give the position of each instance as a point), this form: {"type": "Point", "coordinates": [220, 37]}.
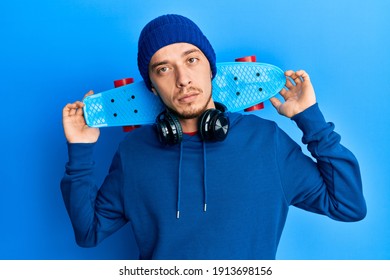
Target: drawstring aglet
{"type": "Point", "coordinates": [177, 214]}
{"type": "Point", "coordinates": [205, 207]}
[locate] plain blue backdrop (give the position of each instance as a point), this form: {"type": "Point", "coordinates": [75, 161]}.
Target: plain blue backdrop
{"type": "Point", "coordinates": [53, 52]}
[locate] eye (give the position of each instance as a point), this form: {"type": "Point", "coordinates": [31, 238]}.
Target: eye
{"type": "Point", "coordinates": [162, 70]}
{"type": "Point", "coordinates": [192, 60]}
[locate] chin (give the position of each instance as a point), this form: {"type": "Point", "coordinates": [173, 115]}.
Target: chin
{"type": "Point", "coordinates": [190, 113]}
{"type": "Point", "coordinates": [192, 110]}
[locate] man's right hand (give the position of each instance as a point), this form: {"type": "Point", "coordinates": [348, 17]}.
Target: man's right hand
{"type": "Point", "coordinates": [75, 128]}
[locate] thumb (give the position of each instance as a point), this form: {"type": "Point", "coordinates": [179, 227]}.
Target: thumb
{"type": "Point", "coordinates": [88, 93]}
{"type": "Point", "coordinates": [275, 102]}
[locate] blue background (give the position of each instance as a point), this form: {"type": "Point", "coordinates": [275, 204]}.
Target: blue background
{"type": "Point", "coordinates": [53, 52]}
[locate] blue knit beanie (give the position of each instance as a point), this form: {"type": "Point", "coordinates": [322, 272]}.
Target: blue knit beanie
{"type": "Point", "coordinates": [166, 30]}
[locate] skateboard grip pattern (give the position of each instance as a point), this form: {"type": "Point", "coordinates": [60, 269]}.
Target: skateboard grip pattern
{"type": "Point", "coordinates": [244, 84]}
{"type": "Point", "coordinates": [132, 104]}
{"type": "Point", "coordinates": [237, 85]}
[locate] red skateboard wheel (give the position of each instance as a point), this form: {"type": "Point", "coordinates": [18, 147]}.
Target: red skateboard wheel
{"type": "Point", "coordinates": [255, 107]}
{"type": "Point", "coordinates": [120, 83]}
{"type": "Point", "coordinates": [251, 58]}
{"type": "Point", "coordinates": [123, 82]}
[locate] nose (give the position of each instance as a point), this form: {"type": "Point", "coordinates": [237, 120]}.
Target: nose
{"type": "Point", "coordinates": [182, 78]}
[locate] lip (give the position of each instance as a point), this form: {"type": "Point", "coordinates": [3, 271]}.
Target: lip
{"type": "Point", "coordinates": [188, 97]}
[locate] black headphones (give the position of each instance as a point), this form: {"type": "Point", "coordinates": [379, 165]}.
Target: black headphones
{"type": "Point", "coordinates": [213, 125]}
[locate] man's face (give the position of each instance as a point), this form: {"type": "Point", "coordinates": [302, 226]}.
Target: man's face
{"type": "Point", "coordinates": [181, 75]}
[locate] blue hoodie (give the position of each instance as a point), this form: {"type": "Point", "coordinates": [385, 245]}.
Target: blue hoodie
{"type": "Point", "coordinates": [214, 200]}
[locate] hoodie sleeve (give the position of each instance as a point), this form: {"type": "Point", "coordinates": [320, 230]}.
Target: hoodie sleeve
{"type": "Point", "coordinates": [94, 213]}
{"type": "Point", "coordinates": [331, 185]}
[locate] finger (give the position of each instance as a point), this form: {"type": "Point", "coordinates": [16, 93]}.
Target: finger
{"type": "Point", "coordinates": [88, 93]}
{"type": "Point", "coordinates": [297, 79]}
{"type": "Point", "coordinates": [288, 73]}
{"type": "Point", "coordinates": [71, 108]}
{"type": "Point", "coordinates": [289, 84]}
{"type": "Point", "coordinates": [283, 92]}
{"type": "Point", "coordinates": [303, 74]}
{"type": "Point", "coordinates": [79, 105]}
{"type": "Point", "coordinates": [66, 109]}
{"type": "Point", "coordinates": [286, 93]}
{"type": "Point", "coordinates": [79, 112]}
{"type": "Point", "coordinates": [291, 75]}
{"type": "Point", "coordinates": [275, 102]}
{"type": "Point", "coordinates": [74, 105]}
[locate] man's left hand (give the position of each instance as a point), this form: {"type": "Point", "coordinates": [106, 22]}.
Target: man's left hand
{"type": "Point", "coordinates": [298, 94]}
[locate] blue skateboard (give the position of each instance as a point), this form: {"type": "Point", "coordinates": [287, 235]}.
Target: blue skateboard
{"type": "Point", "coordinates": [237, 85]}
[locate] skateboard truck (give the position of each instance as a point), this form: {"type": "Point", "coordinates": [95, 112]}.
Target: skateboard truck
{"type": "Point", "coordinates": [251, 58]}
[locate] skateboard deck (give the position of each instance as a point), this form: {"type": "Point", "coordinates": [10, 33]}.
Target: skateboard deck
{"type": "Point", "coordinates": [237, 85]}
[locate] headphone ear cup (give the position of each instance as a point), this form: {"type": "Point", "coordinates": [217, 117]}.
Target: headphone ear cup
{"type": "Point", "coordinates": [204, 125]}
{"type": "Point", "coordinates": [174, 128]}
{"type": "Point", "coordinates": [213, 125]}
{"type": "Point", "coordinates": [220, 126]}
{"type": "Point", "coordinates": [168, 129]}
{"type": "Point", "coordinates": [162, 129]}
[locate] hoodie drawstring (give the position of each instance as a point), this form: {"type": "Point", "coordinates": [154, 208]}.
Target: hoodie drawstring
{"type": "Point", "coordinates": [204, 180]}
{"type": "Point", "coordinates": [179, 183]}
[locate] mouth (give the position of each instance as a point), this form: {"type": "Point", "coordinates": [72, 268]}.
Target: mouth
{"type": "Point", "coordinates": [188, 97]}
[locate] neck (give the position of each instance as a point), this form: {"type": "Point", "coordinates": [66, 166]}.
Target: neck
{"type": "Point", "coordinates": [189, 125]}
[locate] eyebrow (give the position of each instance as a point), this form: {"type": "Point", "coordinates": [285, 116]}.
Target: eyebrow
{"type": "Point", "coordinates": [190, 51]}
{"type": "Point", "coordinates": [156, 64]}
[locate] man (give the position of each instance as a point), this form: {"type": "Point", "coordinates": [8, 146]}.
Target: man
{"type": "Point", "coordinates": [190, 192]}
